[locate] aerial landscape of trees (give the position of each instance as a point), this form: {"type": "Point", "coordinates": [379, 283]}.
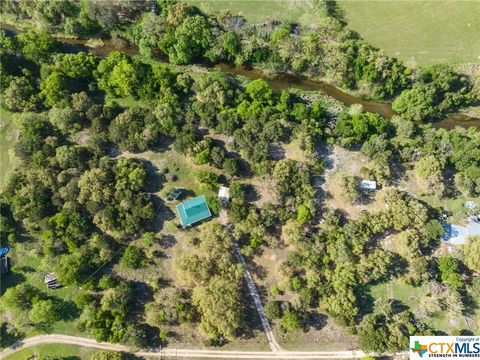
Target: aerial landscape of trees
{"type": "Point", "coordinates": [84, 199]}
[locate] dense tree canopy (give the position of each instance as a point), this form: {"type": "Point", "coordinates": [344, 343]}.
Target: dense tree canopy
{"type": "Point", "coordinates": [470, 252]}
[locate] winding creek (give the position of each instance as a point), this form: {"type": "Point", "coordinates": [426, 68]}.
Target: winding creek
{"type": "Point", "coordinates": [277, 83]}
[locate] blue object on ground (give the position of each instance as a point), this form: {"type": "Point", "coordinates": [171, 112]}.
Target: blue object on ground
{"type": "Point", "coordinates": [4, 251]}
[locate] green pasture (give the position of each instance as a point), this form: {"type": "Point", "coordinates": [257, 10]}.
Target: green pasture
{"type": "Point", "coordinates": [8, 136]}
{"type": "Point", "coordinates": [70, 352]}
{"type": "Point", "coordinates": [397, 289]}
{"type": "Point", "coordinates": [256, 11]}
{"type": "Point", "coordinates": [418, 32]}
{"type": "Point", "coordinates": [409, 296]}
{"type": "Point", "coordinates": [455, 205]}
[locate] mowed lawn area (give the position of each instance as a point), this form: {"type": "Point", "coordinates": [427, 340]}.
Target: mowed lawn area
{"type": "Point", "coordinates": [410, 296]}
{"type": "Point", "coordinates": [61, 350]}
{"type": "Point", "coordinates": [418, 32]}
{"type": "Point", "coordinates": [256, 11]}
{"type": "Point", "coordinates": [8, 135]}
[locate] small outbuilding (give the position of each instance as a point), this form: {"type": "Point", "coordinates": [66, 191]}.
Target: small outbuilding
{"type": "Point", "coordinates": [51, 282]}
{"type": "Point", "coordinates": [174, 194]}
{"type": "Point", "coordinates": [224, 194]}
{"type": "Point", "coordinates": [368, 185]}
{"type": "Point", "coordinates": [193, 210]}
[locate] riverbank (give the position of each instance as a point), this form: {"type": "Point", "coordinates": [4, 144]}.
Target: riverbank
{"type": "Point", "coordinates": [104, 47]}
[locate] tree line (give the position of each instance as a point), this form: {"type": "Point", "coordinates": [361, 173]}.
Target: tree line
{"type": "Point", "coordinates": [330, 51]}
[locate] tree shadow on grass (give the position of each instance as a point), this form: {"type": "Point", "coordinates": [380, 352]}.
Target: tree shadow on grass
{"type": "Point", "coordinates": [244, 168]}
{"type": "Point", "coordinates": [315, 320]}
{"type": "Point", "coordinates": [9, 280]}
{"type": "Point", "coordinates": [398, 268]}
{"type": "Point", "coordinates": [366, 302]}
{"type": "Point", "coordinates": [186, 193]}
{"type": "Point", "coordinates": [325, 152]}
{"type": "Point", "coordinates": [255, 269]}
{"type": "Point", "coordinates": [25, 269]}
{"type": "Point", "coordinates": [67, 310]}
{"type": "Point", "coordinates": [252, 320]}
{"type": "Point", "coordinates": [142, 293]}
{"type": "Point", "coordinates": [160, 254]}
{"type": "Point", "coordinates": [9, 335]}
{"type": "Point", "coordinates": [167, 241]}
{"type": "Point", "coordinates": [398, 306]}
{"type": "Point", "coordinates": [153, 338]}
{"type": "Point", "coordinates": [162, 215]}
{"type": "Point", "coordinates": [276, 152]}
{"type": "Point", "coordinates": [155, 178]}
{"type": "Point", "coordinates": [164, 282]}
{"type": "Point", "coordinates": [46, 327]}
{"type": "Point", "coordinates": [251, 193]}
{"type": "Point", "coordinates": [470, 303]}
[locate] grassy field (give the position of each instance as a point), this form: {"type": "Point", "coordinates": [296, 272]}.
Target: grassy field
{"type": "Point", "coordinates": [453, 204]}
{"type": "Point", "coordinates": [71, 352]}
{"type": "Point", "coordinates": [28, 267]}
{"type": "Point", "coordinates": [410, 295]}
{"type": "Point", "coordinates": [418, 32]}
{"type": "Point", "coordinates": [398, 290]}
{"type": "Point", "coordinates": [8, 135]}
{"type": "Point", "coordinates": [255, 11]}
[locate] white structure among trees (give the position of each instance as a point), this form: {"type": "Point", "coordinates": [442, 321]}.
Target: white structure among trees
{"type": "Point", "coordinates": [368, 185]}
{"type": "Point", "coordinates": [224, 194]}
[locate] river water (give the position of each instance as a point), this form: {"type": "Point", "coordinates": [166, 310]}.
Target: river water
{"type": "Point", "coordinates": [277, 83]}
{"type": "Point", "coordinates": [289, 81]}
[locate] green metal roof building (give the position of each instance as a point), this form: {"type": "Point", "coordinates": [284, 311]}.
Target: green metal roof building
{"type": "Point", "coordinates": [193, 211]}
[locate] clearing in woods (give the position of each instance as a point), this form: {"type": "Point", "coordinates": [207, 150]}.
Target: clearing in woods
{"type": "Point", "coordinates": [418, 32]}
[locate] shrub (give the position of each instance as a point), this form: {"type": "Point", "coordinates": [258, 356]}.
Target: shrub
{"type": "Point", "coordinates": [230, 165]}
{"type": "Point", "coordinates": [214, 204]}
{"type": "Point", "coordinates": [148, 239]}
{"type": "Point", "coordinates": [107, 282]}
{"type": "Point", "coordinates": [132, 258]}
{"type": "Point", "coordinates": [202, 157]}
{"type": "Point", "coordinates": [207, 179]}
{"type": "Point", "coordinates": [448, 271]}
{"type": "Point", "coordinates": [303, 214]}
{"type": "Point", "coordinates": [273, 310]}
{"type": "Point", "coordinates": [290, 321]}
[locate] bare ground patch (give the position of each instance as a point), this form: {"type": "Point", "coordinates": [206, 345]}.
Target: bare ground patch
{"type": "Point", "coordinates": [342, 162]}
{"type": "Point", "coordinates": [321, 333]}
{"type": "Point", "coordinates": [294, 152]}
{"type": "Point", "coordinates": [262, 191]}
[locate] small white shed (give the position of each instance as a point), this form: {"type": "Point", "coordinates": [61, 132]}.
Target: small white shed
{"type": "Point", "coordinates": [224, 194]}
{"type": "Point", "coordinates": [368, 185]}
